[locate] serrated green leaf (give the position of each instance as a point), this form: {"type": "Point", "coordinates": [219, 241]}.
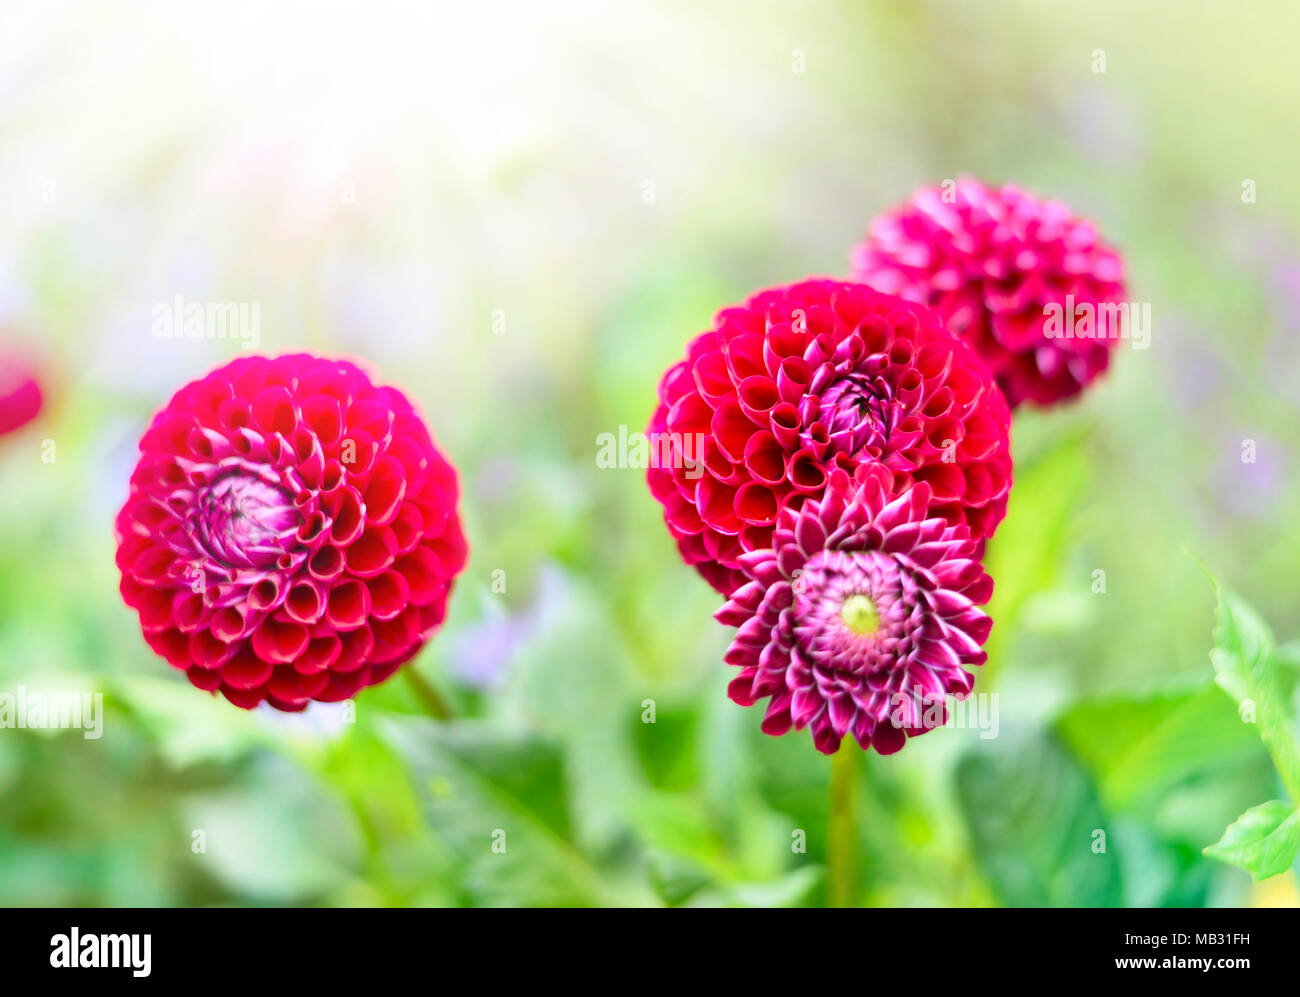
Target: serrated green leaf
{"type": "Point", "coordinates": [1263, 841]}
{"type": "Point", "coordinates": [1246, 668]}
{"type": "Point", "coordinates": [499, 799]}
{"type": "Point", "coordinates": [1034, 821]}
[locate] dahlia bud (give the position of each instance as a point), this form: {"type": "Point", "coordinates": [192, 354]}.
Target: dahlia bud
{"type": "Point", "coordinates": [802, 380]}
{"type": "Point", "coordinates": [291, 531]}
{"type": "Point", "coordinates": [860, 618]}
{"type": "Point", "coordinates": [997, 263]}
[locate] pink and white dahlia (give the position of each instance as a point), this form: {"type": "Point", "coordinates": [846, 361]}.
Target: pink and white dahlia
{"type": "Point", "coordinates": [994, 261]}
{"type": "Point", "coordinates": [291, 531]}
{"type": "Point", "coordinates": [861, 617]}
{"type": "Point", "coordinates": [801, 380]}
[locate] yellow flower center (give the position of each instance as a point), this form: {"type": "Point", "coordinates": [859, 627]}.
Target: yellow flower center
{"type": "Point", "coordinates": [859, 614]}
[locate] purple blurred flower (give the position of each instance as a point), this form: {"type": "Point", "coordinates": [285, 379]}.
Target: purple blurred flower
{"type": "Point", "coordinates": [482, 653]}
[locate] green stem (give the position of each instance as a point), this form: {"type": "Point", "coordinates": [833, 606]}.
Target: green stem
{"type": "Point", "coordinates": [436, 706]}
{"type": "Point", "coordinates": [842, 843]}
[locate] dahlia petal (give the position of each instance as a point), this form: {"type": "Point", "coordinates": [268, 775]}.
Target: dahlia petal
{"type": "Point", "coordinates": [384, 494]}
{"type": "Point", "coordinates": [389, 595]}
{"type": "Point", "coordinates": [741, 606]}
{"type": "Point", "coordinates": [372, 552]}
{"type": "Point", "coordinates": [280, 641]}
{"type": "Point", "coordinates": [305, 602]}
{"type": "Point", "coordinates": [266, 594]}
{"type": "Point", "coordinates": [349, 517]}
{"type": "Point", "coordinates": [171, 644]}
{"type": "Point", "coordinates": [805, 703]}
{"type": "Point", "coordinates": [717, 505]}
{"type": "Point", "coordinates": [356, 649]}
{"type": "Point", "coordinates": [207, 652]}
{"type": "Point", "coordinates": [288, 686]}
{"type": "Point", "coordinates": [805, 472]}
{"type": "Point", "coordinates": [756, 504]}
{"type": "Point", "coordinates": [712, 378]}
{"type": "Point", "coordinates": [229, 624]}
{"type": "Point", "coordinates": [245, 671]}
{"type": "Point", "coordinates": [809, 535]}
{"type": "Point", "coordinates": [757, 396]}
{"type": "Point", "coordinates": [348, 605]}
{"type": "Point", "coordinates": [841, 709]}
{"type": "Point", "coordinates": [946, 602]}
{"type": "Point", "coordinates": [245, 699]}
{"type": "Point", "coordinates": [888, 739]}
{"type": "Point", "coordinates": [738, 689]}
{"type": "Point", "coordinates": [200, 678]}
{"type": "Point", "coordinates": [324, 416]}
{"type": "Point", "coordinates": [732, 428]}
{"type": "Point", "coordinates": [825, 739]}
{"type": "Point", "coordinates": [744, 355]}
{"type": "Point", "coordinates": [783, 420]}
{"type": "Point", "coordinates": [327, 563]}
{"type": "Point", "coordinates": [776, 720]}
{"type": "Point", "coordinates": [764, 458]}
{"type": "Point", "coordinates": [742, 655]}
{"type": "Point", "coordinates": [721, 546]}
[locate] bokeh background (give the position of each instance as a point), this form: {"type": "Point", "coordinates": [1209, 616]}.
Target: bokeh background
{"type": "Point", "coordinates": [519, 213]}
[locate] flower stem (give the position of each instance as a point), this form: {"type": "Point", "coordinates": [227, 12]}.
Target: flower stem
{"type": "Point", "coordinates": [842, 841]}
{"type": "Point", "coordinates": [437, 707]}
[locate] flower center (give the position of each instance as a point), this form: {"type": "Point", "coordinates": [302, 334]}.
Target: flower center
{"type": "Point", "coordinates": [854, 409]}
{"type": "Point", "coordinates": [244, 520]}
{"type": "Point", "coordinates": [859, 614]}
{"type": "Point", "coordinates": [851, 610]}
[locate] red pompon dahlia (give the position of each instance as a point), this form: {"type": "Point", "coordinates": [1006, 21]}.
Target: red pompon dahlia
{"type": "Point", "coordinates": [291, 532]}
{"type": "Point", "coordinates": [860, 618]}
{"type": "Point", "coordinates": [998, 264]}
{"type": "Point", "coordinates": [804, 379]}
{"type": "Point", "coordinates": [20, 395]}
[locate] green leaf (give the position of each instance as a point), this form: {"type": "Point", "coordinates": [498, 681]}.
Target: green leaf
{"type": "Point", "coordinates": [667, 748]}
{"type": "Point", "coordinates": [1157, 872]}
{"type": "Point", "coordinates": [1138, 746]}
{"type": "Point", "coordinates": [1263, 840]}
{"type": "Point", "coordinates": [1247, 668]}
{"type": "Point", "coordinates": [276, 837]}
{"type": "Point", "coordinates": [187, 727]}
{"type": "Point", "coordinates": [499, 799]}
{"type": "Point", "coordinates": [794, 889]}
{"type": "Point", "coordinates": [574, 683]}
{"type": "Point", "coordinates": [1288, 656]}
{"type": "Point", "coordinates": [676, 825]}
{"type": "Point", "coordinates": [1034, 823]}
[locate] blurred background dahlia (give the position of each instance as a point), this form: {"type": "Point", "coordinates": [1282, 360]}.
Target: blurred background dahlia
{"type": "Point", "coordinates": [1010, 273]}
{"type": "Point", "coordinates": [21, 395]}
